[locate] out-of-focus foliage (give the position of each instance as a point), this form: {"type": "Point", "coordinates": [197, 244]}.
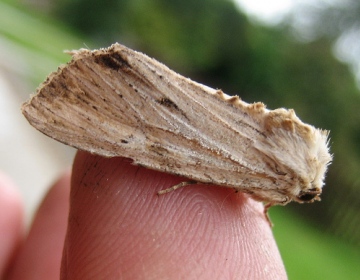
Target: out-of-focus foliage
{"type": "Point", "coordinates": [30, 36]}
{"type": "Point", "coordinates": [212, 42]}
{"type": "Point", "coordinates": [309, 253]}
{"type": "Point", "coordinates": [332, 18]}
{"type": "Point", "coordinates": [338, 21]}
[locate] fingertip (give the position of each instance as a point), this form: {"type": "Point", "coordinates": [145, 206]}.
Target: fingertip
{"type": "Point", "coordinates": [11, 221]}
{"type": "Point", "coordinates": [9, 194]}
{"type": "Point", "coordinates": [40, 254]}
{"type": "Point", "coordinates": [118, 222]}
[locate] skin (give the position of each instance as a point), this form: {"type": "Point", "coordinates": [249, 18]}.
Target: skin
{"type": "Point", "coordinates": [118, 228]}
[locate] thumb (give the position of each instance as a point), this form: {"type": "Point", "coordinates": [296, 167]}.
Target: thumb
{"type": "Point", "coordinates": [119, 228]}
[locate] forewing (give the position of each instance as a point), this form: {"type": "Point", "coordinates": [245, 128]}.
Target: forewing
{"type": "Point", "coordinates": [118, 102]}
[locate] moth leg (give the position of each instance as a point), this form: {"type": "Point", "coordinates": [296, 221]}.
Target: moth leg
{"type": "Point", "coordinates": [175, 187]}
{"type": "Point", "coordinates": [266, 213]}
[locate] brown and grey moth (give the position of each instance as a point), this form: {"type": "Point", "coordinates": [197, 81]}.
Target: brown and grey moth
{"type": "Point", "coordinates": [119, 102]}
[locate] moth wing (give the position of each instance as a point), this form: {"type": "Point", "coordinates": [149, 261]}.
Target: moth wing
{"type": "Point", "coordinates": [118, 102]}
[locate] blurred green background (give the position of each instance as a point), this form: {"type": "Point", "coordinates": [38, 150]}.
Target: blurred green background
{"type": "Point", "coordinates": [213, 42]}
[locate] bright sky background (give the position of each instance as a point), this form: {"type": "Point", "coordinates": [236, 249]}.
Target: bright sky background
{"type": "Point", "coordinates": [269, 11]}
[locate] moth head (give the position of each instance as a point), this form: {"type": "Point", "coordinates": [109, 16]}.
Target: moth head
{"type": "Point", "coordinates": [318, 158]}
{"type": "Point", "coordinates": [302, 151]}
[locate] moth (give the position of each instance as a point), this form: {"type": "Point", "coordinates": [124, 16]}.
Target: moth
{"type": "Point", "coordinates": [119, 102]}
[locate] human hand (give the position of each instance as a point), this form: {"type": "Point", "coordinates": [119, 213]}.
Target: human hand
{"type": "Point", "coordinates": [118, 228]}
